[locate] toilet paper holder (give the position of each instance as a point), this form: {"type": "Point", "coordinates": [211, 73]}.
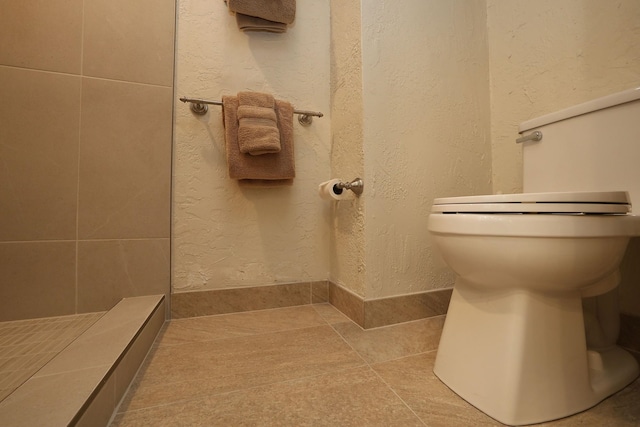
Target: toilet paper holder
{"type": "Point", "coordinates": [357, 186]}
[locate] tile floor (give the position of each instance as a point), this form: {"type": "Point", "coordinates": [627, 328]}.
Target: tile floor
{"type": "Point", "coordinates": [310, 366]}
{"type": "Point", "coordinates": [27, 345]}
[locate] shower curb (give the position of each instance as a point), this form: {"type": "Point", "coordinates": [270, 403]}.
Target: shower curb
{"type": "Point", "coordinates": [84, 383]}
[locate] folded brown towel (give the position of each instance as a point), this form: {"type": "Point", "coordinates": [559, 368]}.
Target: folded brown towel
{"type": "Point", "coordinates": [258, 132]}
{"type": "Point", "coordinates": [275, 168]}
{"type": "Point", "coordinates": [253, 23]}
{"type": "Point", "coordinates": [257, 99]}
{"type": "Point", "coordinates": [283, 11]}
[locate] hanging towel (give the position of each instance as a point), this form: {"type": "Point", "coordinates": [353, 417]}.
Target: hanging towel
{"type": "Point", "coordinates": [283, 11]}
{"type": "Point", "coordinates": [267, 169]}
{"type": "Point", "coordinates": [253, 23]}
{"type": "Point", "coordinates": [258, 132]}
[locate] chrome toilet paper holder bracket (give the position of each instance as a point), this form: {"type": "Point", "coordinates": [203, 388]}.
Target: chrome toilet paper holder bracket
{"type": "Point", "coordinates": [357, 186]}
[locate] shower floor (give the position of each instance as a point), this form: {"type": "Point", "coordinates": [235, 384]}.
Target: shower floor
{"type": "Point", "coordinates": [27, 345]}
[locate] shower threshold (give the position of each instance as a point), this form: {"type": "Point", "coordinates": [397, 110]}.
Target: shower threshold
{"type": "Point", "coordinates": [84, 382]}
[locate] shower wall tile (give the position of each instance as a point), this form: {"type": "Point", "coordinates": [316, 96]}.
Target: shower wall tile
{"type": "Point", "coordinates": [125, 159]}
{"type": "Point", "coordinates": [39, 134]}
{"type": "Point", "coordinates": [109, 270]}
{"type": "Point", "coordinates": [31, 30]}
{"type": "Point", "coordinates": [38, 279]}
{"type": "Point", "coordinates": [121, 42]}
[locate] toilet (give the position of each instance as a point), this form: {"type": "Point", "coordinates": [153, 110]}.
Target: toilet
{"type": "Point", "coordinates": [530, 334]}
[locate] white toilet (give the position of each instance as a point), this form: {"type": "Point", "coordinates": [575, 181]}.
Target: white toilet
{"type": "Point", "coordinates": [518, 341]}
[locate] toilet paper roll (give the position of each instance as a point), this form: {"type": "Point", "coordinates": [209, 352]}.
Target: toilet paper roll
{"type": "Point", "coordinates": [329, 191]}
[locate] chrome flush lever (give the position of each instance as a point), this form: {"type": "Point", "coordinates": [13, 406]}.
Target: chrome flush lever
{"type": "Point", "coordinates": [534, 136]}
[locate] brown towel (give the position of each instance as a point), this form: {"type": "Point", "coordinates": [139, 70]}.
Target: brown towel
{"type": "Point", "coordinates": [253, 23]}
{"type": "Point", "coordinates": [283, 11]}
{"type": "Point", "coordinates": [257, 99]}
{"type": "Point", "coordinates": [258, 132]}
{"type": "Point", "coordinates": [276, 168]}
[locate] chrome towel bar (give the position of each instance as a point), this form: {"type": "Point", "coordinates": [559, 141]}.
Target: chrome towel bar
{"type": "Point", "coordinates": [199, 106]}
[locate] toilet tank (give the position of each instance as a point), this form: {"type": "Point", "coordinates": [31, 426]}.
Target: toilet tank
{"type": "Point", "coordinates": [593, 146]}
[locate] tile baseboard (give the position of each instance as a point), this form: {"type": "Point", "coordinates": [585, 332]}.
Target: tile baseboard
{"type": "Point", "coordinates": [223, 301]}
{"type": "Point", "coordinates": [366, 313]}
{"type": "Point", "coordinates": [388, 311]}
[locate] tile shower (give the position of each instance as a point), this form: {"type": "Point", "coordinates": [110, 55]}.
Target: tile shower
{"type": "Point", "coordinates": [85, 155]}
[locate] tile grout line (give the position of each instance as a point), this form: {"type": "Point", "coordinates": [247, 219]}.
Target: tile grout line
{"type": "Point", "coordinates": [77, 258]}
{"type": "Point", "coordinates": [325, 322]}
{"type": "Point", "coordinates": [369, 365]}
{"type": "Point", "coordinates": [396, 394]}
{"type": "Point", "coordinates": [242, 390]}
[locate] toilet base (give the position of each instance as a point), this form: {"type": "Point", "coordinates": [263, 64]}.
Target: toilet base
{"type": "Point", "coordinates": [521, 356]}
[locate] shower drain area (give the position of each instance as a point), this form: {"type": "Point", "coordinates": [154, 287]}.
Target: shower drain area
{"type": "Point", "coordinates": [27, 345]}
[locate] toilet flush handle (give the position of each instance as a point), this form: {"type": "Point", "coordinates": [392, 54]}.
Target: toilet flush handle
{"type": "Point", "coordinates": [533, 136]}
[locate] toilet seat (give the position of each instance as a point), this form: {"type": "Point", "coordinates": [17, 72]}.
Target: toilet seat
{"type": "Point", "coordinates": [611, 202]}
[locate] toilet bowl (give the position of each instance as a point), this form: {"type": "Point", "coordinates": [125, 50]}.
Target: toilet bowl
{"type": "Point", "coordinates": [514, 342]}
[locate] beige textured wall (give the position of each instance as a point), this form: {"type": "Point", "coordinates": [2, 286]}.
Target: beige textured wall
{"type": "Point", "coordinates": [547, 55]}
{"type": "Point", "coordinates": [426, 131]}
{"type": "Point", "coordinates": [225, 235]}
{"type": "Point", "coordinates": [85, 153]}
{"type": "Point", "coordinates": [347, 248]}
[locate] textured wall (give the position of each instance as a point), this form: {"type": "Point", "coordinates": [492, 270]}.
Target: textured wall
{"type": "Point", "coordinates": [547, 55]}
{"type": "Point", "coordinates": [347, 155]}
{"type": "Point", "coordinates": [226, 235]}
{"type": "Point", "coordinates": [426, 131]}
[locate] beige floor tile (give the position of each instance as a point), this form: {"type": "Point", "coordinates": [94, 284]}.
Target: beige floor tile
{"type": "Point", "coordinates": [199, 329]}
{"type": "Point", "coordinates": [350, 398]}
{"type": "Point", "coordinates": [188, 371]}
{"type": "Point", "coordinates": [620, 410]}
{"type": "Point", "coordinates": [412, 378]}
{"type": "Point", "coordinates": [276, 367]}
{"type": "Point", "coordinates": [330, 314]}
{"type": "Point", "coordinates": [392, 342]}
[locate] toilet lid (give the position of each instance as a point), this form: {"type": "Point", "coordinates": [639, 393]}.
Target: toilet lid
{"type": "Point", "coordinates": [611, 202]}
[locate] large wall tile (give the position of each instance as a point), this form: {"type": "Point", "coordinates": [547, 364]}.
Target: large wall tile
{"type": "Point", "coordinates": [125, 160]}
{"type": "Point", "coordinates": [44, 35]}
{"type": "Point", "coordinates": [38, 279]}
{"type": "Point", "coordinates": [110, 270]}
{"type": "Point", "coordinates": [123, 42]}
{"type": "Point", "coordinates": [39, 134]}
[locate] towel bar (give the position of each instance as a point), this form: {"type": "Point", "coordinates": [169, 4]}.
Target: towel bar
{"type": "Point", "coordinates": [199, 106]}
